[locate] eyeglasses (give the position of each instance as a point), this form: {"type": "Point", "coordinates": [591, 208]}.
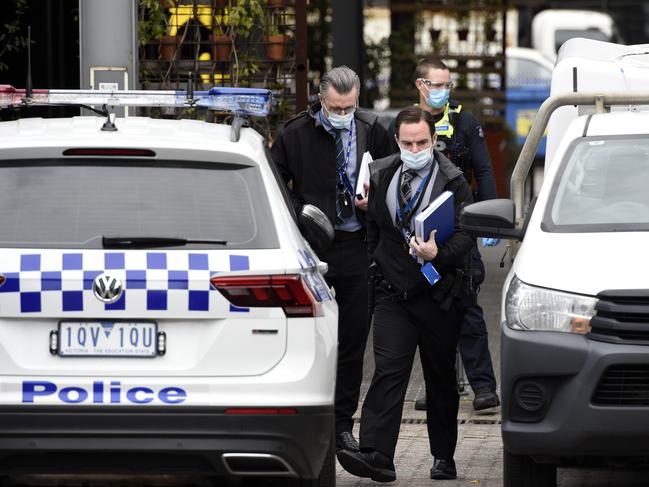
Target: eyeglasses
{"type": "Point", "coordinates": [434, 85]}
{"type": "Point", "coordinates": [339, 110]}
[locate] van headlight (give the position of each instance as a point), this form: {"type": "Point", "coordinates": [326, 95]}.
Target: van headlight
{"type": "Point", "coordinates": [534, 308]}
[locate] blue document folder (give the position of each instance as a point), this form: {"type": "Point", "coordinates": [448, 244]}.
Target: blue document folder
{"type": "Point", "coordinates": [440, 216]}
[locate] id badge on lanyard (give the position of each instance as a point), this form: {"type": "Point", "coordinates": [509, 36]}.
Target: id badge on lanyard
{"type": "Point", "coordinates": [427, 269]}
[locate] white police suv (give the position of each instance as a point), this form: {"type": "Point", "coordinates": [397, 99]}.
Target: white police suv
{"type": "Point", "coordinates": [160, 312]}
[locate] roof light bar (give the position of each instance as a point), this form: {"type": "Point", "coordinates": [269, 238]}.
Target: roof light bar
{"type": "Point", "coordinates": [242, 101]}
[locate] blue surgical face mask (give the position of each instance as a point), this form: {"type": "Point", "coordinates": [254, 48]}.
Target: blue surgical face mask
{"type": "Point", "coordinates": [416, 161]}
{"type": "Point", "coordinates": [437, 98]}
{"type": "Point", "coordinates": [340, 121]}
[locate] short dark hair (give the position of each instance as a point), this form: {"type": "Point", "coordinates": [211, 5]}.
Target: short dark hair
{"type": "Point", "coordinates": [426, 64]}
{"type": "Point", "coordinates": [414, 114]}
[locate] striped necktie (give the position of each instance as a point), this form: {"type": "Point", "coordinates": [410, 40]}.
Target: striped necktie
{"type": "Point", "coordinates": [340, 165]}
{"type": "Point", "coordinates": [406, 188]}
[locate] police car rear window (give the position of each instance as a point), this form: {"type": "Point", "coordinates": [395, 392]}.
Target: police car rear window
{"type": "Point", "coordinates": [55, 203]}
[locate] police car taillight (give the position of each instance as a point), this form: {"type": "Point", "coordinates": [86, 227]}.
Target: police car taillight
{"type": "Point", "coordinates": [288, 292]}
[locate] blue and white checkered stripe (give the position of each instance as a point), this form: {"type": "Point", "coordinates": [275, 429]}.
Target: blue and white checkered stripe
{"type": "Point", "coordinates": [55, 281]}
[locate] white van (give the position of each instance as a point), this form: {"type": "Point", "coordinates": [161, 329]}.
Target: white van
{"type": "Point", "coordinates": [575, 308]}
{"type": "Point", "coordinates": [552, 27]}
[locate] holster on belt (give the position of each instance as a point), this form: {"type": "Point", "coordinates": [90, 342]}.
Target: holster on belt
{"type": "Point", "coordinates": [448, 289]}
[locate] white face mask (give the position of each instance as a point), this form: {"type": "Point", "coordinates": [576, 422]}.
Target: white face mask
{"type": "Point", "coordinates": [341, 121]}
{"type": "Point", "coordinates": [416, 161]}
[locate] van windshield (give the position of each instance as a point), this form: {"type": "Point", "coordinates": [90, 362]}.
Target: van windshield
{"type": "Point", "coordinates": [604, 186]}
{"type": "Point", "coordinates": [56, 203]}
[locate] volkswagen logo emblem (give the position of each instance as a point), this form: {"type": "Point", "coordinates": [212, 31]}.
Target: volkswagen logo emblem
{"type": "Point", "coordinates": [106, 288]}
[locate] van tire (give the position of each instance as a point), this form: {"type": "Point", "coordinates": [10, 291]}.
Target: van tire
{"type": "Point", "coordinates": [523, 471]}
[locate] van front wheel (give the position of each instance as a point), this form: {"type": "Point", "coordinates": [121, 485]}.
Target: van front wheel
{"type": "Point", "coordinates": [523, 471]}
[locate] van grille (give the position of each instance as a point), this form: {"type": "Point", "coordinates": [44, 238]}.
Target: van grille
{"type": "Point", "coordinates": [623, 385]}
{"type": "Point", "coordinates": [621, 317]}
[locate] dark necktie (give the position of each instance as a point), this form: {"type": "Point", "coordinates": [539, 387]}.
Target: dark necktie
{"type": "Point", "coordinates": [406, 190]}
{"type": "Point", "coordinates": [340, 187]}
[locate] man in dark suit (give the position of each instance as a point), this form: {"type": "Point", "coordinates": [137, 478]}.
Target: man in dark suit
{"type": "Point", "coordinates": [412, 311]}
{"type": "Point", "coordinates": [460, 138]}
{"type": "Point", "coordinates": [319, 153]}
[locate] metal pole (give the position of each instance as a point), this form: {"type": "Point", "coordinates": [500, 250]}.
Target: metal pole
{"type": "Point", "coordinates": [301, 49]}
{"type": "Point", "coordinates": [108, 37]}
{"type": "Point", "coordinates": [348, 45]}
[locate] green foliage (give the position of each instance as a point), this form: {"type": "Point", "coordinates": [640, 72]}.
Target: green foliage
{"type": "Point", "coordinates": [152, 23]}
{"type": "Point", "coordinates": [13, 36]}
{"type": "Point", "coordinates": [377, 57]}
{"type": "Point", "coordinates": [244, 15]}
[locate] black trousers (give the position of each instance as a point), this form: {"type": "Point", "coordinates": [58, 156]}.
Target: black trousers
{"type": "Point", "coordinates": [399, 328]}
{"type": "Point", "coordinates": [474, 341]}
{"type": "Point", "coordinates": [347, 259]}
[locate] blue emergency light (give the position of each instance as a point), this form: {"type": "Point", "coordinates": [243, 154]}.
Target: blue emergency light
{"type": "Point", "coordinates": [240, 101]}
{"type": "Point", "coordinates": [243, 101]}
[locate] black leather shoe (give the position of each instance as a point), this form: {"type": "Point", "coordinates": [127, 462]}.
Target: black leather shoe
{"type": "Point", "coordinates": [443, 470]}
{"type": "Point", "coordinates": [372, 464]}
{"type": "Point", "coordinates": [346, 441]}
{"type": "Point", "coordinates": [485, 399]}
{"type": "Point", "coordinates": [420, 404]}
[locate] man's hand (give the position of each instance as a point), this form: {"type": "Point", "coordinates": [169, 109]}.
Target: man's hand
{"type": "Point", "coordinates": [424, 250]}
{"type": "Point", "coordinates": [362, 204]}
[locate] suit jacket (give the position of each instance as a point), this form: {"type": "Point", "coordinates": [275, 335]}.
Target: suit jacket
{"type": "Point", "coordinates": [386, 244]}
{"type": "Point", "coordinates": [306, 155]}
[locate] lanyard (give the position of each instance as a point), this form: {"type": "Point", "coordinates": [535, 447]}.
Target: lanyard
{"type": "Point", "coordinates": [342, 174]}
{"type": "Point", "coordinates": [411, 206]}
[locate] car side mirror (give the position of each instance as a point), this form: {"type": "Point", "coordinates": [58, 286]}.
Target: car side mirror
{"type": "Point", "coordinates": [316, 228]}
{"type": "Point", "coordinates": [491, 218]}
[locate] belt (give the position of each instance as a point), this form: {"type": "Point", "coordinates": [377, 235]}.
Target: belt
{"type": "Point", "coordinates": [341, 235]}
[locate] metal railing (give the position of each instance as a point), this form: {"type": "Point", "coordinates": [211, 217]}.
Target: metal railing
{"type": "Point", "coordinates": [601, 101]}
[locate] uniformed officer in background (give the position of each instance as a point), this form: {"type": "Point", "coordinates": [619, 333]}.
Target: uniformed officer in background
{"type": "Point", "coordinates": [460, 138]}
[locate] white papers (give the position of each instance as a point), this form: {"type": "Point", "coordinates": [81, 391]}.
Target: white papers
{"type": "Point", "coordinates": [364, 174]}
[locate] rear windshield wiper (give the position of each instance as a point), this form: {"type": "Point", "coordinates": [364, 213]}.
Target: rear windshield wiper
{"type": "Point", "coordinates": [127, 242]}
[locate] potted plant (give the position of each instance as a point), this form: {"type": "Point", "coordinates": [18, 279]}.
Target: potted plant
{"type": "Point", "coordinates": [234, 18]}
{"type": "Point", "coordinates": [277, 3]}
{"type": "Point", "coordinates": [222, 38]}
{"type": "Point", "coordinates": [489, 25]}
{"type": "Point", "coordinates": [276, 40]}
{"type": "Point", "coordinates": [462, 25]}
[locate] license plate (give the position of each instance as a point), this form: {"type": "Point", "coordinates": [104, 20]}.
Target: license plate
{"type": "Point", "coordinates": [108, 338]}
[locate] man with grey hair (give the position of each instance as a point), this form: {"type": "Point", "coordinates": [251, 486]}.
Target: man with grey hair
{"type": "Point", "coordinates": [319, 153]}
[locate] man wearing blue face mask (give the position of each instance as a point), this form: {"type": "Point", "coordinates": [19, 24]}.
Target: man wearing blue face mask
{"type": "Point", "coordinates": [319, 153]}
{"type": "Point", "coordinates": [409, 311]}
{"type": "Point", "coordinates": [461, 139]}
